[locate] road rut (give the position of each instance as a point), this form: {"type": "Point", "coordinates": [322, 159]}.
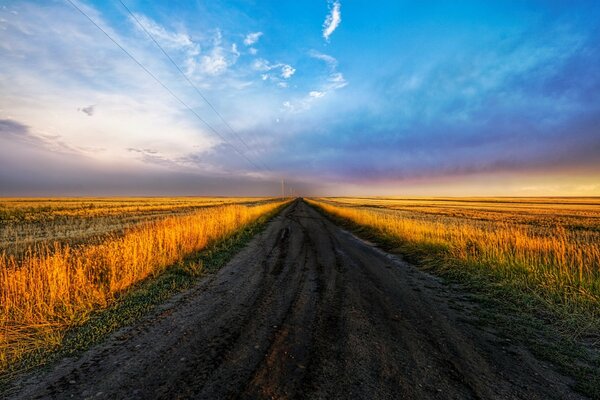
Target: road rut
{"type": "Point", "coordinates": [306, 310]}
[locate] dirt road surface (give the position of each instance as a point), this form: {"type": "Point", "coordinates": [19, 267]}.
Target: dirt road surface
{"type": "Point", "coordinates": [306, 310]}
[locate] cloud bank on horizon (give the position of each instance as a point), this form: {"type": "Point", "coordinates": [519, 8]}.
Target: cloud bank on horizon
{"type": "Point", "coordinates": [402, 98]}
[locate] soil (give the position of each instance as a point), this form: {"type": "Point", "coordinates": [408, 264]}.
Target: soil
{"type": "Point", "coordinates": [306, 310]}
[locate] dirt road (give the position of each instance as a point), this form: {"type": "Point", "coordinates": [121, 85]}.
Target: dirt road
{"type": "Point", "coordinates": [306, 310]}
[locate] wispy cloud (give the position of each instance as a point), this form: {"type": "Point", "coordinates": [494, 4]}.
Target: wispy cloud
{"type": "Point", "coordinates": [17, 131]}
{"type": "Point", "coordinates": [333, 19]}
{"type": "Point", "coordinates": [252, 38]}
{"type": "Point", "coordinates": [326, 58]}
{"type": "Point", "coordinates": [167, 38]}
{"type": "Point", "coordinates": [336, 81]}
{"type": "Point", "coordinates": [150, 156]}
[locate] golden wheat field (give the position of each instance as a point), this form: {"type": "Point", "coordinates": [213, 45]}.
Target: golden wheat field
{"type": "Point", "coordinates": [549, 247]}
{"type": "Point", "coordinates": [60, 259]}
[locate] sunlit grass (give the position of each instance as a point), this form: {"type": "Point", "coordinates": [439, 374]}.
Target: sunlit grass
{"type": "Point", "coordinates": [26, 222]}
{"type": "Point", "coordinates": [546, 247]}
{"type": "Point", "coordinates": [52, 286]}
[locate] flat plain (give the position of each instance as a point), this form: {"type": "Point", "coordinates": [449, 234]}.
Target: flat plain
{"type": "Point", "coordinates": [333, 298]}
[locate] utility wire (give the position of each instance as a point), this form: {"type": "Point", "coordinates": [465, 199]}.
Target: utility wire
{"type": "Point", "coordinates": [212, 107]}
{"type": "Point", "coordinates": [165, 86]}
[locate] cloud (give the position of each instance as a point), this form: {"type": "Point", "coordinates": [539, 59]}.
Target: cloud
{"type": "Point", "coordinates": [252, 51]}
{"type": "Point", "coordinates": [288, 105]}
{"type": "Point", "coordinates": [151, 156]}
{"type": "Point", "coordinates": [329, 60]}
{"type": "Point", "coordinates": [175, 40]}
{"type": "Point", "coordinates": [234, 50]}
{"type": "Point", "coordinates": [89, 110]}
{"type": "Point", "coordinates": [13, 128]}
{"type": "Point", "coordinates": [18, 132]}
{"type": "Point", "coordinates": [287, 71]}
{"type": "Point", "coordinates": [216, 58]}
{"type": "Point", "coordinates": [252, 38]}
{"type": "Point", "coordinates": [214, 64]}
{"type": "Point", "coordinates": [509, 100]}
{"type": "Point", "coordinates": [333, 19]}
{"type": "Point", "coordinates": [336, 81]}
{"type": "Point", "coordinates": [219, 59]}
{"type": "Point", "coordinates": [261, 65]}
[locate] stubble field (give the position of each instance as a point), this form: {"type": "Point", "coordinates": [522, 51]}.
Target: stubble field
{"type": "Point", "coordinates": [61, 259]}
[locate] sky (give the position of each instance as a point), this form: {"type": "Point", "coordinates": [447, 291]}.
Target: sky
{"type": "Point", "coordinates": [342, 97]}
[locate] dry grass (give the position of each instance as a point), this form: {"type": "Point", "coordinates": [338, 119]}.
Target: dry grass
{"type": "Point", "coordinates": [546, 247]}
{"type": "Point", "coordinates": [53, 286]}
{"type": "Point", "coordinates": [25, 223]}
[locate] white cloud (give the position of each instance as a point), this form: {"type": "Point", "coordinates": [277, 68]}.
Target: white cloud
{"type": "Point", "coordinates": [333, 19]}
{"type": "Point", "coordinates": [234, 50]}
{"type": "Point", "coordinates": [213, 64]}
{"type": "Point", "coordinates": [252, 38]}
{"type": "Point", "coordinates": [219, 58]}
{"type": "Point", "coordinates": [287, 71]}
{"type": "Point", "coordinates": [288, 106]}
{"type": "Point", "coordinates": [262, 65]}
{"type": "Point", "coordinates": [176, 40]}
{"type": "Point", "coordinates": [252, 51]}
{"type": "Point", "coordinates": [329, 60]}
{"type": "Point", "coordinates": [336, 81]}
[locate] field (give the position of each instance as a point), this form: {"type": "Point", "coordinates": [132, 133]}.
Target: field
{"type": "Point", "coordinates": [61, 259]}
{"type": "Point", "coordinates": [193, 298]}
{"type": "Point", "coordinates": [546, 248]}
{"type": "Point", "coordinates": [29, 222]}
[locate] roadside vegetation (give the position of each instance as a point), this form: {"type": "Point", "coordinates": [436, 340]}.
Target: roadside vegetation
{"type": "Point", "coordinates": [57, 284]}
{"type": "Point", "coordinates": [534, 262]}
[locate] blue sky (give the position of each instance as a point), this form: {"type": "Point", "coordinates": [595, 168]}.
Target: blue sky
{"type": "Point", "coordinates": [338, 97]}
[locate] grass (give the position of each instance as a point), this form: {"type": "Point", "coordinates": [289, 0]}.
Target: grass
{"type": "Point", "coordinates": [539, 281]}
{"type": "Point", "coordinates": [32, 222]}
{"type": "Point", "coordinates": [141, 299]}
{"type": "Point", "coordinates": [52, 288]}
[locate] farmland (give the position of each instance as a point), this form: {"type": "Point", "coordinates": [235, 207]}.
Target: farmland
{"type": "Point", "coordinates": [29, 222]}
{"type": "Point", "coordinates": [61, 259]}
{"type": "Point", "coordinates": [548, 248]}
{"type": "Point", "coordinates": [304, 309]}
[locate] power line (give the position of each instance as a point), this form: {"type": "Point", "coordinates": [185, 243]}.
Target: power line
{"type": "Point", "coordinates": [187, 78]}
{"type": "Point", "coordinates": [164, 86]}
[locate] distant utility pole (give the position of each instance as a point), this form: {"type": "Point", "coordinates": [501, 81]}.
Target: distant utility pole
{"type": "Point", "coordinates": [282, 189]}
